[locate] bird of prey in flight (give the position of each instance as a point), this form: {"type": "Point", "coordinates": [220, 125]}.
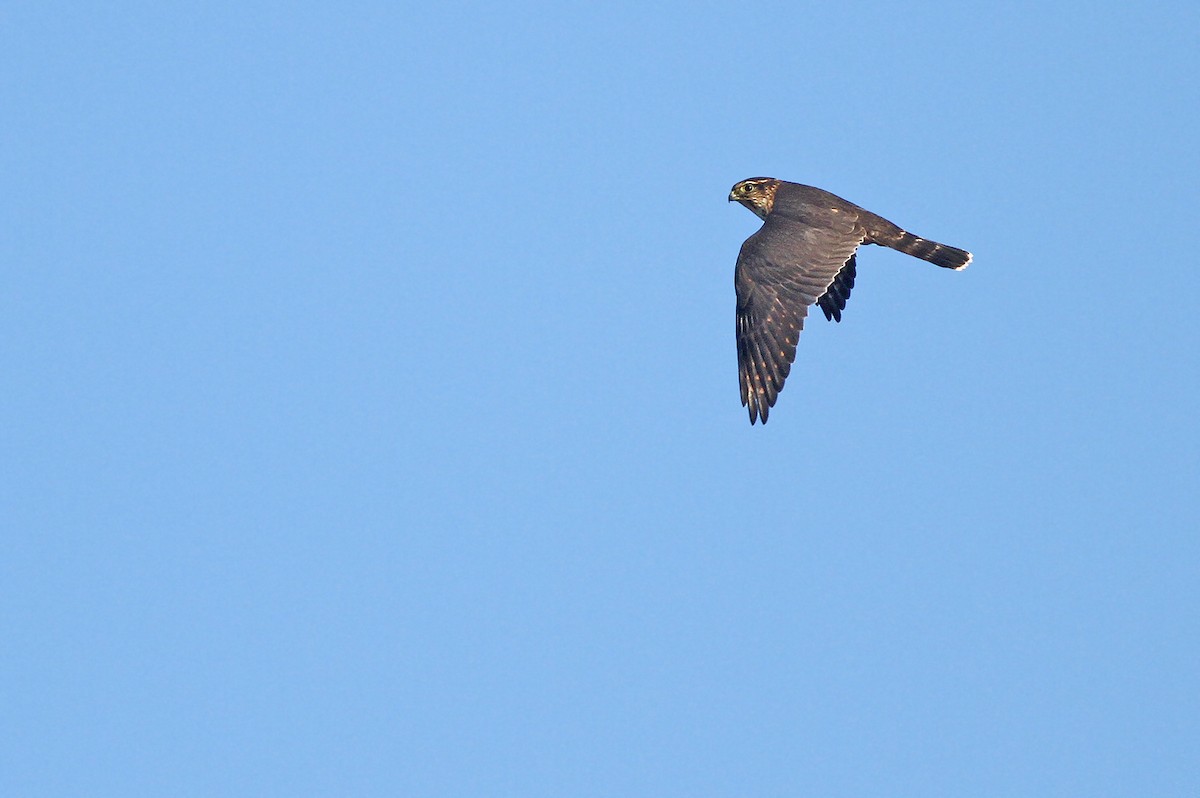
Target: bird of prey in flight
{"type": "Point", "coordinates": [803, 254]}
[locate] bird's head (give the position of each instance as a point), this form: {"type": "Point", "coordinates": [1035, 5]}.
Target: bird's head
{"type": "Point", "coordinates": [757, 194]}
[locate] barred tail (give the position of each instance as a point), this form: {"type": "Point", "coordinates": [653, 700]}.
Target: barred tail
{"type": "Point", "coordinates": [882, 232]}
{"type": "Point", "coordinates": [932, 251]}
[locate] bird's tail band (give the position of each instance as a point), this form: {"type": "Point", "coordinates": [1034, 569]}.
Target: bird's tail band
{"type": "Point", "coordinates": [939, 254]}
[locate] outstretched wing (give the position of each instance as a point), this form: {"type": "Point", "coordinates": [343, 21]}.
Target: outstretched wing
{"type": "Point", "coordinates": [781, 270]}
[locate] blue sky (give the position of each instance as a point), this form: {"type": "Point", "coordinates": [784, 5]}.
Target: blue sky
{"type": "Point", "coordinates": [371, 421]}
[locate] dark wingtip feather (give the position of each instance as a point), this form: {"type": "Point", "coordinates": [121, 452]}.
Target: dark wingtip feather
{"type": "Point", "coordinates": [833, 301]}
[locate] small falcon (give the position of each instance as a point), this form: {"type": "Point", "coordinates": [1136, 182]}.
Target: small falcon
{"type": "Point", "coordinates": [803, 253]}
